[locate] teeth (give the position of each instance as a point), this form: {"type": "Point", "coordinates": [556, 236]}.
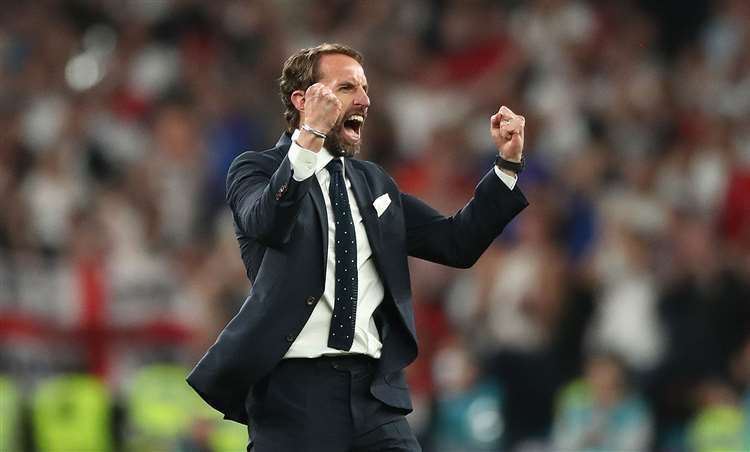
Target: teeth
{"type": "Point", "coordinates": [359, 118]}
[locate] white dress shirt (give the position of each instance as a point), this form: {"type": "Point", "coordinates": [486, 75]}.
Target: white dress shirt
{"type": "Point", "coordinates": [312, 341]}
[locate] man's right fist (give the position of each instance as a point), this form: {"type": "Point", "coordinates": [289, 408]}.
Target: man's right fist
{"type": "Point", "coordinates": [322, 108]}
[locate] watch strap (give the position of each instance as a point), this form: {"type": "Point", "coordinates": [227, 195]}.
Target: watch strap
{"type": "Point", "coordinates": [516, 167]}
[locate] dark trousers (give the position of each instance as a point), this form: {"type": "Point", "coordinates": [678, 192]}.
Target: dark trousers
{"type": "Point", "coordinates": [324, 404]}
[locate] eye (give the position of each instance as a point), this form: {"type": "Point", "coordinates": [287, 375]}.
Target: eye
{"type": "Point", "coordinates": [347, 87]}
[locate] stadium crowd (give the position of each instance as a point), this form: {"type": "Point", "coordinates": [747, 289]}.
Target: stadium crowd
{"type": "Point", "coordinates": [613, 314]}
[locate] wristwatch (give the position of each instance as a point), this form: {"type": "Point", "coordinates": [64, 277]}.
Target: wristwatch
{"type": "Point", "coordinates": [516, 167]}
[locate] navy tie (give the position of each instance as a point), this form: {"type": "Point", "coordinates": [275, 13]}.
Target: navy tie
{"type": "Point", "coordinates": [341, 334]}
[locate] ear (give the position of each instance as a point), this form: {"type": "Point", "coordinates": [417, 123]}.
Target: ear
{"type": "Point", "coordinates": [298, 100]}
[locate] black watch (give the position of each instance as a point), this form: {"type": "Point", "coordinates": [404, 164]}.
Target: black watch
{"type": "Point", "coordinates": [516, 167]}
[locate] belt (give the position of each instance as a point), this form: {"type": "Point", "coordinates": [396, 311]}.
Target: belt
{"type": "Point", "coordinates": [353, 361]}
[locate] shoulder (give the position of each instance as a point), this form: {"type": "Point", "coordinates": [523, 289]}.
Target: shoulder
{"type": "Point", "coordinates": [265, 160]}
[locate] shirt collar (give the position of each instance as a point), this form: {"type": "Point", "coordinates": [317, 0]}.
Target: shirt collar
{"type": "Point", "coordinates": [323, 155]}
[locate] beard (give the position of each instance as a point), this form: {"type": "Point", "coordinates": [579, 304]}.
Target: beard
{"type": "Point", "coordinates": [336, 146]}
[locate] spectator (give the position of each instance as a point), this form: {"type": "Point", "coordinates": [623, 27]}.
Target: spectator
{"type": "Point", "coordinates": [601, 412]}
{"type": "Point", "coordinates": [467, 411]}
{"type": "Point", "coordinates": [719, 423]}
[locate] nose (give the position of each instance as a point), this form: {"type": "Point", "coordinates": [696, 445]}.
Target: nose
{"type": "Point", "coordinates": [362, 99]}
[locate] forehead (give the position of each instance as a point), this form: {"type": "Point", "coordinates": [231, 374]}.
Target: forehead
{"type": "Point", "coordinates": [337, 66]}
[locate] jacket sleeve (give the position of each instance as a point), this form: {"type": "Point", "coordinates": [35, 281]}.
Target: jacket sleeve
{"type": "Point", "coordinates": [459, 240]}
{"type": "Point", "coordinates": [264, 198]}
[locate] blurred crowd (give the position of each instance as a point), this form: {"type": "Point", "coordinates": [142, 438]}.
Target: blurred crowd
{"type": "Point", "coordinates": [612, 314]}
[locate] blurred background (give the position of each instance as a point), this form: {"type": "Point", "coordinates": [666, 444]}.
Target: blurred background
{"type": "Point", "coordinates": [612, 315]}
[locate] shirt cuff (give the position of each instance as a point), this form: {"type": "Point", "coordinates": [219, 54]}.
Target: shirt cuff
{"type": "Point", "coordinates": [302, 162]}
{"type": "Point", "coordinates": [509, 180]}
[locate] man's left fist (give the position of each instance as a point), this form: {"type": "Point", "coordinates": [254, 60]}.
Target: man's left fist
{"type": "Point", "coordinates": [506, 128]}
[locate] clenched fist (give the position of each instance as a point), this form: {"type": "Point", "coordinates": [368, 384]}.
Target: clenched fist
{"type": "Point", "coordinates": [322, 108]}
{"type": "Point", "coordinates": [506, 129]}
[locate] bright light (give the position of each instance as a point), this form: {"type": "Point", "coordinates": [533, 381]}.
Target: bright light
{"type": "Point", "coordinates": [83, 72]}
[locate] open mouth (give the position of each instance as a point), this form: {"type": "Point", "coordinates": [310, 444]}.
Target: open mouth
{"type": "Point", "coordinates": [353, 127]}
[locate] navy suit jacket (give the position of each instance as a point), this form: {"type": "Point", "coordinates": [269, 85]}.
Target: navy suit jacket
{"type": "Point", "coordinates": [281, 226]}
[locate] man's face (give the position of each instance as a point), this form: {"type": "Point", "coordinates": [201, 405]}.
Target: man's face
{"type": "Point", "coordinates": [345, 77]}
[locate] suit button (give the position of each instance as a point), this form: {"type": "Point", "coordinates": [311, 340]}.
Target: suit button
{"type": "Point", "coordinates": [290, 338]}
{"type": "Point", "coordinates": [310, 301]}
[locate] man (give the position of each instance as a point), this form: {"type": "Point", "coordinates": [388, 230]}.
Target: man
{"type": "Point", "coordinates": [314, 359]}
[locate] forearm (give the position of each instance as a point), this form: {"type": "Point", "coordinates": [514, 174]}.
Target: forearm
{"type": "Point", "coordinates": [460, 240]}
{"type": "Point", "coordinates": [264, 206]}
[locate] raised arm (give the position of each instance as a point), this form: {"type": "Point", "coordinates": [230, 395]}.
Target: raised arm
{"type": "Point", "coordinates": [460, 240]}
{"type": "Point", "coordinates": [264, 197]}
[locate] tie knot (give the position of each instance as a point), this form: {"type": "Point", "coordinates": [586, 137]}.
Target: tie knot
{"type": "Point", "coordinates": [334, 166]}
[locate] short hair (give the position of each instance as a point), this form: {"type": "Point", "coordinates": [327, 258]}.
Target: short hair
{"type": "Point", "coordinates": [301, 70]}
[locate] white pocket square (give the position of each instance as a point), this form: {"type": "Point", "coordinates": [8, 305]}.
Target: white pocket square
{"type": "Point", "coordinates": [381, 203]}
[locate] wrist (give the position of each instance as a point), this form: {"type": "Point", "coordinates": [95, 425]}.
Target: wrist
{"type": "Point", "coordinates": [309, 141]}
{"type": "Point", "coordinates": [508, 166]}
{"type": "Point", "coordinates": [319, 132]}
{"type": "Point", "coordinates": [517, 158]}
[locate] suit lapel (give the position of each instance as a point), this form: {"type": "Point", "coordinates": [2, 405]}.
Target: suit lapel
{"type": "Point", "coordinates": [363, 195]}
{"type": "Point", "coordinates": [320, 207]}
{"type": "Point", "coordinates": [364, 198]}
